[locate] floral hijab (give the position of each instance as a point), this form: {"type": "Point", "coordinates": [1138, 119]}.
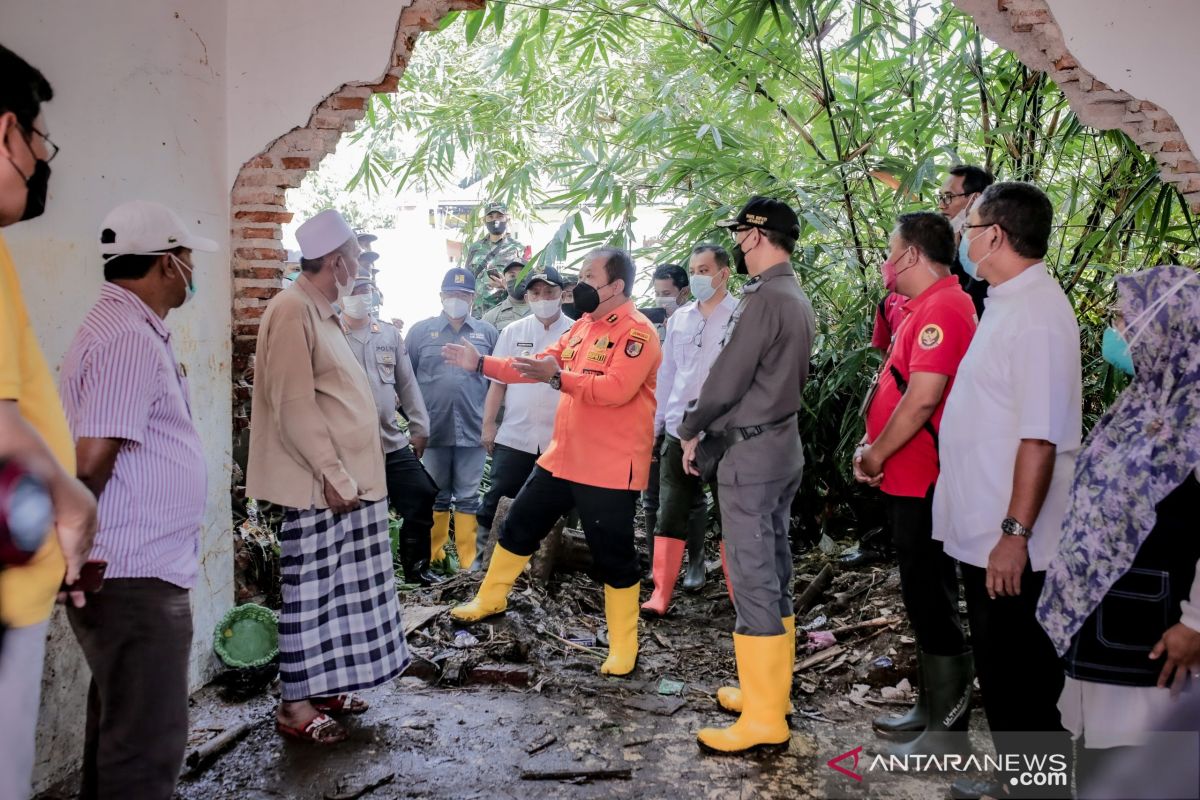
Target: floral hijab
{"type": "Point", "coordinates": [1144, 447]}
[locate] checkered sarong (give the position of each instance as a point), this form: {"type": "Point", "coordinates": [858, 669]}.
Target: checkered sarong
{"type": "Point", "coordinates": [340, 628]}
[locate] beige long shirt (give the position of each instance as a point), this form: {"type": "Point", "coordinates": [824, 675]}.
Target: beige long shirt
{"type": "Point", "coordinates": [313, 416]}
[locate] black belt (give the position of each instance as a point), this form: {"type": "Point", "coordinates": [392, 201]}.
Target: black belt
{"type": "Point", "coordinates": [736, 435]}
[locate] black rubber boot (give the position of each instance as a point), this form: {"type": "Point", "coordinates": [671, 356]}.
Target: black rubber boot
{"type": "Point", "coordinates": [947, 682]}
{"type": "Point", "coordinates": [414, 559]}
{"type": "Point", "coordinates": [910, 724]}
{"type": "Point", "coordinates": [693, 577]}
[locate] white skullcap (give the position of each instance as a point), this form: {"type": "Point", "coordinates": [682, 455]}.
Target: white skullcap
{"type": "Point", "coordinates": [322, 234]}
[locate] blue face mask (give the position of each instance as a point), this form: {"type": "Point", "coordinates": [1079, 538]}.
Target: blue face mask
{"type": "Point", "coordinates": [1115, 350]}
{"type": "Point", "coordinates": [701, 287]}
{"type": "Point", "coordinates": [964, 257]}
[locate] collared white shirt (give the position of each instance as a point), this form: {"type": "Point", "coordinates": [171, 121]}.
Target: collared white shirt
{"type": "Point", "coordinates": [1020, 379]}
{"type": "Point", "coordinates": [529, 408]}
{"type": "Point", "coordinates": [689, 350]}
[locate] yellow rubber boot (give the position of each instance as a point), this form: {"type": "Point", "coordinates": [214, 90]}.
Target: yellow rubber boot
{"type": "Point", "coordinates": [438, 536]}
{"type": "Point", "coordinates": [492, 597]}
{"type": "Point", "coordinates": [621, 613]}
{"type": "Point", "coordinates": [765, 674]}
{"type": "Point", "coordinates": [465, 531]}
{"type": "Point", "coordinates": [729, 698]}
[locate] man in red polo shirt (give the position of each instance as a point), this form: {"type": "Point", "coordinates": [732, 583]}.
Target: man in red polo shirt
{"type": "Point", "coordinates": [899, 455]}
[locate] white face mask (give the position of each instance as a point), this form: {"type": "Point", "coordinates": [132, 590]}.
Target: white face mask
{"type": "Point", "coordinates": [455, 307]}
{"type": "Point", "coordinates": [189, 287]}
{"type": "Point", "coordinates": [344, 289]}
{"type": "Point", "coordinates": [703, 287]}
{"type": "Point", "coordinates": [545, 309]}
{"type": "Point", "coordinates": [959, 219]}
{"type": "Point", "coordinates": [357, 306]}
{"type": "Point", "coordinates": [667, 303]}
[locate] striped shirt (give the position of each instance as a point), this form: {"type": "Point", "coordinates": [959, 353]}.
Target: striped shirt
{"type": "Point", "coordinates": [120, 380]}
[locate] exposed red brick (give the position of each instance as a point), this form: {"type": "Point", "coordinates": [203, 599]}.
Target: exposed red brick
{"type": "Point", "coordinates": [296, 162]}
{"type": "Point", "coordinates": [261, 162]}
{"type": "Point", "coordinates": [257, 196]}
{"type": "Point", "coordinates": [246, 328]}
{"type": "Point", "coordinates": [1174, 146]}
{"type": "Point", "coordinates": [250, 312]}
{"type": "Point", "coordinates": [1165, 125]}
{"type": "Point", "coordinates": [259, 292]}
{"type": "Point", "coordinates": [257, 233]}
{"type": "Point", "coordinates": [347, 102]}
{"type": "Point", "coordinates": [389, 84]}
{"type": "Point", "coordinates": [259, 273]}
{"type": "Point", "coordinates": [260, 253]}
{"type": "Point", "coordinates": [1067, 61]}
{"type": "Point", "coordinates": [1187, 165]}
{"type": "Point", "coordinates": [264, 216]}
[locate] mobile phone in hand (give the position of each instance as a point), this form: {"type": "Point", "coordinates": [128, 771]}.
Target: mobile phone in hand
{"type": "Point", "coordinates": [91, 578]}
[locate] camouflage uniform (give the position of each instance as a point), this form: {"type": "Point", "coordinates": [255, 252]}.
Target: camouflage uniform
{"type": "Point", "coordinates": [480, 257]}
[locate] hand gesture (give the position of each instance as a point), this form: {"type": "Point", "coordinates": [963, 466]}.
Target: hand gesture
{"type": "Point", "coordinates": [419, 443]}
{"type": "Point", "coordinates": [536, 369]}
{"type": "Point", "coordinates": [75, 526]}
{"type": "Point", "coordinates": [689, 456]}
{"type": "Point", "coordinates": [1182, 646]}
{"type": "Point", "coordinates": [867, 469]}
{"type": "Point", "coordinates": [463, 356]}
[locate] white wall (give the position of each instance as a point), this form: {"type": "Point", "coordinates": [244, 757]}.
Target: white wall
{"type": "Point", "coordinates": [285, 56]}
{"type": "Point", "coordinates": [1147, 48]}
{"type": "Point", "coordinates": [139, 111]}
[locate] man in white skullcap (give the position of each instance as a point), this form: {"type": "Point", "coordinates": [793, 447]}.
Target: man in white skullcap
{"type": "Point", "coordinates": [315, 451]}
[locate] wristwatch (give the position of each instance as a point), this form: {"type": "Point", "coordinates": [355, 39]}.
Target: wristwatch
{"type": "Point", "coordinates": [1010, 527]}
{"type": "Point", "coordinates": [556, 381]}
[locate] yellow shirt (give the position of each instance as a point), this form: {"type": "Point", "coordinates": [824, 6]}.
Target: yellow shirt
{"type": "Point", "coordinates": [27, 592]}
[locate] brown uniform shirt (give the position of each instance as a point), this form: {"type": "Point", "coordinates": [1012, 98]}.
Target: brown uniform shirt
{"type": "Point", "coordinates": [758, 378]}
{"type": "Point", "coordinates": [313, 415]}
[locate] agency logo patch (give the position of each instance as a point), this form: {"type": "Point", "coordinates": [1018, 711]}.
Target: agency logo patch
{"type": "Point", "coordinates": [930, 337]}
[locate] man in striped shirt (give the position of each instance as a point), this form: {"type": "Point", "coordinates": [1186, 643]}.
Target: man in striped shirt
{"type": "Point", "coordinates": [138, 450]}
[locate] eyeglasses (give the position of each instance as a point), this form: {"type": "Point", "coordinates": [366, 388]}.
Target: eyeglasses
{"type": "Point", "coordinates": [944, 198]}
{"type": "Point", "coordinates": [51, 147]}
{"type": "Point", "coordinates": [698, 338]}
{"type": "Point", "coordinates": [985, 225]}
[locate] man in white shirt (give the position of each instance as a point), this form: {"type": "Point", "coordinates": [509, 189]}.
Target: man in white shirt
{"type": "Point", "coordinates": [1008, 440]}
{"type": "Point", "coordinates": [694, 336]}
{"type": "Point", "coordinates": [529, 408]}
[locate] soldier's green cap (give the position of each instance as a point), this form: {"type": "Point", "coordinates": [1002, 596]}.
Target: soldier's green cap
{"type": "Point", "coordinates": [494, 206]}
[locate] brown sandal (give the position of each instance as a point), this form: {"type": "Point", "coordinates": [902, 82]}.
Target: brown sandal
{"type": "Point", "coordinates": [321, 729]}
{"type": "Point", "coordinates": [349, 703]}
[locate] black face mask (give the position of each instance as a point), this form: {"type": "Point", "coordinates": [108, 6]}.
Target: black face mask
{"type": "Point", "coordinates": [587, 297]}
{"type": "Point", "coordinates": [36, 186]}
{"type": "Point", "coordinates": [497, 226]}
{"type": "Point", "coordinates": [739, 259]}
{"type": "Point", "coordinates": [568, 310]}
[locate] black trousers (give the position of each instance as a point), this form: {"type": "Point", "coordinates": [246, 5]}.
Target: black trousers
{"type": "Point", "coordinates": [135, 635]}
{"type": "Point", "coordinates": [650, 493]}
{"type": "Point", "coordinates": [606, 516]}
{"type": "Point", "coordinates": [1019, 672]}
{"type": "Point", "coordinates": [681, 503]}
{"type": "Point", "coordinates": [510, 469]}
{"type": "Point", "coordinates": [928, 580]}
{"type": "Point", "coordinates": [411, 492]}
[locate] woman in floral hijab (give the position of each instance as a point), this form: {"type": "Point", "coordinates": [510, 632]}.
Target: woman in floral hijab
{"type": "Point", "coordinates": [1122, 597]}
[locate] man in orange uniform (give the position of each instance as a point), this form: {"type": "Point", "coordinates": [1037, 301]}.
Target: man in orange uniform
{"type": "Point", "coordinates": [598, 460]}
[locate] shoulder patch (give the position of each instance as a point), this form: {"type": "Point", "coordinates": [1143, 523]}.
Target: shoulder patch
{"type": "Point", "coordinates": [633, 349]}
{"type": "Point", "coordinates": [611, 318]}
{"type": "Point", "coordinates": [930, 337]}
{"type": "Point", "coordinates": [639, 334]}
{"type": "Point", "coordinates": [574, 341]}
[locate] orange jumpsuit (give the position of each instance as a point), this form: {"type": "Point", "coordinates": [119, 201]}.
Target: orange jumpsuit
{"type": "Point", "coordinates": [604, 429]}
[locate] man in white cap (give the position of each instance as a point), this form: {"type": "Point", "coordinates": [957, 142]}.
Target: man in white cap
{"type": "Point", "coordinates": [138, 451]}
{"type": "Point", "coordinates": [315, 450]}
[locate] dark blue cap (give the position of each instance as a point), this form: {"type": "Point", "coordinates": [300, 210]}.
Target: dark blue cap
{"type": "Point", "coordinates": [458, 280]}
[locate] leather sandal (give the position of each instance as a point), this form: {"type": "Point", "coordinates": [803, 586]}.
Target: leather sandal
{"type": "Point", "coordinates": [349, 703]}
{"type": "Point", "coordinates": [320, 730]}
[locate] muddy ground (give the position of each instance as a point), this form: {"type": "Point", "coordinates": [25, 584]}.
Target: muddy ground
{"type": "Point", "coordinates": [523, 713]}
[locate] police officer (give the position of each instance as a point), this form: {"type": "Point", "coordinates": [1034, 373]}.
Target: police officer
{"type": "Point", "coordinates": [513, 307]}
{"type": "Point", "coordinates": [411, 492]}
{"type": "Point", "coordinates": [599, 457]}
{"type": "Point", "coordinates": [489, 255]}
{"type": "Point", "coordinates": [899, 454]}
{"type": "Point", "coordinates": [749, 401]}
{"type": "Point", "coordinates": [455, 454]}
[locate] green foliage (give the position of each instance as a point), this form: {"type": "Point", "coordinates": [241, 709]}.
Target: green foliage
{"type": "Point", "coordinates": [850, 111]}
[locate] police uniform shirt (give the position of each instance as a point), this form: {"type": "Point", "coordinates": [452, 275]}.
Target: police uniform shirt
{"type": "Point", "coordinates": [529, 408]}
{"type": "Point", "coordinates": [759, 377]}
{"type": "Point", "coordinates": [453, 396]}
{"type": "Point", "coordinates": [506, 313]}
{"type": "Point", "coordinates": [380, 350]}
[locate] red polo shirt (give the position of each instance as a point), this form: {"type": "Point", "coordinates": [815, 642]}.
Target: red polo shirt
{"type": "Point", "coordinates": [933, 336]}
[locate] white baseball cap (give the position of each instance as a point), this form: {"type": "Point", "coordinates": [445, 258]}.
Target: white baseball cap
{"type": "Point", "coordinates": [323, 233]}
{"type": "Point", "coordinates": [141, 227]}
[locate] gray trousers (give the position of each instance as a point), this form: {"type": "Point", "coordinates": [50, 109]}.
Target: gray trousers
{"type": "Point", "coordinates": [755, 518]}
{"type": "Point", "coordinates": [20, 693]}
